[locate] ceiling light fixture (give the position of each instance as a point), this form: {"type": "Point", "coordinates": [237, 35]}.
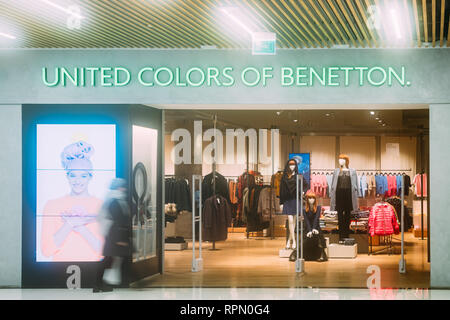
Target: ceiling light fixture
{"type": "Point", "coordinates": [57, 6]}
{"type": "Point", "coordinates": [227, 12]}
{"type": "Point", "coordinates": [278, 113]}
{"type": "Point", "coordinates": [372, 112]}
{"type": "Point", "coordinates": [7, 35]}
{"type": "Point", "coordinates": [395, 22]}
{"type": "Point", "coordinates": [295, 120]}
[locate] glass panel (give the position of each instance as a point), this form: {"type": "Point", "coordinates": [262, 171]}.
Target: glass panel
{"type": "Point", "coordinates": [145, 144]}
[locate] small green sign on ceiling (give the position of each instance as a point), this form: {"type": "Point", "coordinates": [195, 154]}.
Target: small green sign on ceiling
{"type": "Point", "coordinates": [264, 43]}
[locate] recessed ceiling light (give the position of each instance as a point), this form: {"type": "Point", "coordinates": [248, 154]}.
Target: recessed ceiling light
{"type": "Point", "coordinates": [372, 112]}
{"type": "Point", "coordinates": [327, 114]}
{"type": "Point", "coordinates": [278, 113]}
{"type": "Point", "coordinates": [377, 118]}
{"type": "Point", "coordinates": [295, 120]}
{"type": "Point", "coordinates": [380, 121]}
{"type": "Point", "coordinates": [66, 10]}
{"type": "Point", "coordinates": [7, 35]}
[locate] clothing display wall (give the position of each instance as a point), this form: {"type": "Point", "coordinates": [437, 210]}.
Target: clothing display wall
{"type": "Point", "coordinates": [361, 151]}
{"type": "Point", "coordinates": [322, 149]}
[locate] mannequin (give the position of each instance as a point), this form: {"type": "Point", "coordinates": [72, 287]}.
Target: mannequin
{"type": "Point", "coordinates": [288, 187]}
{"type": "Point", "coordinates": [344, 194]}
{"type": "Point", "coordinates": [312, 213]}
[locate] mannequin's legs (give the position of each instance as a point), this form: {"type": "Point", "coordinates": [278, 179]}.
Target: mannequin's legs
{"type": "Point", "coordinates": [291, 223]}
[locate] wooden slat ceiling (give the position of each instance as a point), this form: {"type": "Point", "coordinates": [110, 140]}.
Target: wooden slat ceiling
{"type": "Point", "coordinates": [182, 24]}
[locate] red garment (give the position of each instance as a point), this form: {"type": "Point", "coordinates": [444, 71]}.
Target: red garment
{"type": "Point", "coordinates": [392, 186]}
{"type": "Point", "coordinates": [418, 185]}
{"type": "Point", "coordinates": [382, 220]}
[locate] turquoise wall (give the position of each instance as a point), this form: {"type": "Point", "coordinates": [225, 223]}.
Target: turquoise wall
{"type": "Point", "coordinates": [427, 70]}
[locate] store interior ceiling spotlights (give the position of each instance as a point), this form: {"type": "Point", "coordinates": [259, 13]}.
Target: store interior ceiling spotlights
{"type": "Point", "coordinates": [310, 122]}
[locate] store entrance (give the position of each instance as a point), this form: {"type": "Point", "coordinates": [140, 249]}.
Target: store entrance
{"type": "Point", "coordinates": [387, 152]}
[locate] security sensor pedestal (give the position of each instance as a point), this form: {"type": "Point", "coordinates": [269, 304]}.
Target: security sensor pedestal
{"type": "Point", "coordinates": [300, 265]}
{"type": "Point", "coordinates": [197, 265]}
{"type": "Point", "coordinates": [402, 266]}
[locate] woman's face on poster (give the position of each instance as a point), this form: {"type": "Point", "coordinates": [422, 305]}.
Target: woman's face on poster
{"type": "Point", "coordinates": [79, 180]}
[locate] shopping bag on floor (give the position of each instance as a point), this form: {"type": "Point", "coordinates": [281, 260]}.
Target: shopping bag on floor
{"type": "Point", "coordinates": [113, 275]}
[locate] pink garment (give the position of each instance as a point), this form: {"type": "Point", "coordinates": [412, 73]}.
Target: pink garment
{"type": "Point", "coordinates": [75, 247]}
{"type": "Point", "coordinates": [324, 185]}
{"type": "Point", "coordinates": [418, 185]}
{"type": "Point", "coordinates": [382, 220]}
{"type": "Point", "coordinates": [392, 186]}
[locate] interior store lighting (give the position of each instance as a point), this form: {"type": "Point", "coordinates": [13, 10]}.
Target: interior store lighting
{"type": "Point", "coordinates": [372, 112]}
{"type": "Point", "coordinates": [394, 17]}
{"type": "Point", "coordinates": [57, 6]}
{"type": "Point", "coordinates": [227, 12]}
{"type": "Point", "coordinates": [7, 36]}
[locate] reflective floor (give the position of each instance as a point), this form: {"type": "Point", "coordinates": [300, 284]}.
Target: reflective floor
{"type": "Point", "coordinates": [226, 294]}
{"type": "Point", "coordinates": [255, 263]}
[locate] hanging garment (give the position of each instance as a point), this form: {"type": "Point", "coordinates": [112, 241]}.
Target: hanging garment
{"type": "Point", "coordinates": [268, 204]}
{"type": "Point", "coordinates": [220, 185]}
{"type": "Point", "coordinates": [419, 189]}
{"type": "Point", "coordinates": [398, 179]}
{"type": "Point", "coordinates": [232, 191]}
{"type": "Point", "coordinates": [397, 204]}
{"type": "Point", "coordinates": [392, 185]}
{"type": "Point", "coordinates": [177, 191]}
{"type": "Point", "coordinates": [371, 185]}
{"type": "Point", "coordinates": [254, 219]}
{"type": "Point", "coordinates": [363, 185]}
{"type": "Point", "coordinates": [359, 186]}
{"type": "Point", "coordinates": [382, 220]}
{"type": "Point", "coordinates": [329, 178]}
{"type": "Point", "coordinates": [276, 181]}
{"type": "Point", "coordinates": [407, 180]}
{"type": "Point", "coordinates": [216, 216]}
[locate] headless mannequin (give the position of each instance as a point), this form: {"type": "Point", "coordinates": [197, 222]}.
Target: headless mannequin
{"type": "Point", "coordinates": [343, 214]}
{"type": "Point", "coordinates": [291, 219]}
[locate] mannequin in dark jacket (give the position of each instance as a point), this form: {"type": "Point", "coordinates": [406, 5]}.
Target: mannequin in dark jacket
{"type": "Point", "coordinates": [315, 244]}
{"type": "Point", "coordinates": [288, 196]}
{"type": "Point", "coordinates": [115, 224]}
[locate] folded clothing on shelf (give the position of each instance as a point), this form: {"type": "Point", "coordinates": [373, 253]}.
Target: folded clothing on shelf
{"type": "Point", "coordinates": [174, 240]}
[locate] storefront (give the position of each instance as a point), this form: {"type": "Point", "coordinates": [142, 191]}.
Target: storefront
{"type": "Point", "coordinates": [319, 100]}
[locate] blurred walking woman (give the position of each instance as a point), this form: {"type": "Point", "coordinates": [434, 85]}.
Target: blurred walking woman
{"type": "Point", "coordinates": [114, 221]}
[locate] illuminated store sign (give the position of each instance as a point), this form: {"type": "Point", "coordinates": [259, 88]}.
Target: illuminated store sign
{"type": "Point", "coordinates": [300, 76]}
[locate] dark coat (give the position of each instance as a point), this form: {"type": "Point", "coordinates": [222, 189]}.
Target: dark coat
{"type": "Point", "coordinates": [221, 187]}
{"type": "Point", "coordinates": [177, 191]}
{"type": "Point", "coordinates": [119, 232]}
{"type": "Point", "coordinates": [216, 218]}
{"type": "Point", "coordinates": [289, 185]}
{"type": "Point", "coordinates": [312, 220]}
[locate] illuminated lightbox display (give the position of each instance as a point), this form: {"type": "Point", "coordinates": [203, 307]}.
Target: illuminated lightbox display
{"type": "Point", "coordinates": [75, 165]}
